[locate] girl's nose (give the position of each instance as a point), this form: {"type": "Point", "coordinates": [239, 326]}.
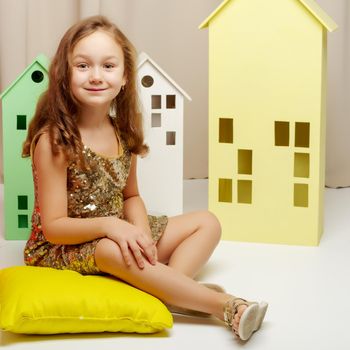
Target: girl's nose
{"type": "Point", "coordinates": [95, 76]}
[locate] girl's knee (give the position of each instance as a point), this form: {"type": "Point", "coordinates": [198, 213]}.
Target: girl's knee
{"type": "Point", "coordinates": [208, 219]}
{"type": "Point", "coordinates": [107, 252]}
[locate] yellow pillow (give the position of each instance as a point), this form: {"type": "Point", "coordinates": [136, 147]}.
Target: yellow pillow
{"type": "Point", "coordinates": [40, 300]}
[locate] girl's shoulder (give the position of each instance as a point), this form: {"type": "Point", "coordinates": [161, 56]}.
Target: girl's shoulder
{"type": "Point", "coordinates": [43, 136]}
{"type": "Point", "coordinates": [41, 150]}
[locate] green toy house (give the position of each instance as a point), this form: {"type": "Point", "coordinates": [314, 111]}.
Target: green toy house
{"type": "Point", "coordinates": [18, 106]}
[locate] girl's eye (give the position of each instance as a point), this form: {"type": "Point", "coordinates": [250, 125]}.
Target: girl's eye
{"type": "Point", "coordinates": [82, 66]}
{"type": "Point", "coordinates": [109, 65]}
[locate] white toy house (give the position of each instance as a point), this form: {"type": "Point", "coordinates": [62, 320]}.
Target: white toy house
{"type": "Point", "coordinates": [160, 173]}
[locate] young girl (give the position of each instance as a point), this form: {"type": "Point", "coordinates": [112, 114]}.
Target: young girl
{"type": "Point", "coordinates": [88, 216]}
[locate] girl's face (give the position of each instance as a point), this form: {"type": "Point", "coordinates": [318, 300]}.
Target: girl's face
{"type": "Point", "coordinates": [97, 70]}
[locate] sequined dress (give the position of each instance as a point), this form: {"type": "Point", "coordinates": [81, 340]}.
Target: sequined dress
{"type": "Point", "coordinates": [91, 193]}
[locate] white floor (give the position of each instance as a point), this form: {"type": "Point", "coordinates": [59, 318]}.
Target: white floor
{"type": "Point", "coordinates": [308, 290]}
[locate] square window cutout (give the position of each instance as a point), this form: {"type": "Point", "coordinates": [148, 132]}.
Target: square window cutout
{"type": "Point", "coordinates": [302, 134]}
{"type": "Point", "coordinates": [22, 202]}
{"type": "Point", "coordinates": [225, 130]}
{"type": "Point", "coordinates": [281, 133]}
{"type": "Point", "coordinates": [245, 161]}
{"type": "Point", "coordinates": [301, 195]}
{"type": "Point", "coordinates": [225, 190]}
{"type": "Point", "coordinates": [21, 122]}
{"type": "Point", "coordinates": [156, 101]}
{"type": "Point", "coordinates": [22, 221]}
{"type": "Point", "coordinates": [171, 101]}
{"type": "Point", "coordinates": [301, 165]}
{"type": "Point", "coordinates": [244, 191]}
{"type": "Point", "coordinates": [156, 120]}
{"type": "Point", "coordinates": [170, 138]}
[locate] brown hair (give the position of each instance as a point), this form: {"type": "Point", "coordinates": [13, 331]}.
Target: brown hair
{"type": "Point", "coordinates": [56, 109]}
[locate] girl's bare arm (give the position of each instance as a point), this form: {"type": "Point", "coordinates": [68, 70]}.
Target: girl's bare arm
{"type": "Point", "coordinates": [134, 207]}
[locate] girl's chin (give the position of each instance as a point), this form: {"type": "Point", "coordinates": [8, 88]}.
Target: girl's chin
{"type": "Point", "coordinates": [95, 103]}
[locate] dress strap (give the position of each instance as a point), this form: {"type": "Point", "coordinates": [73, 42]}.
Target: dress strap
{"type": "Point", "coordinates": [120, 144]}
{"type": "Point", "coordinates": [120, 141]}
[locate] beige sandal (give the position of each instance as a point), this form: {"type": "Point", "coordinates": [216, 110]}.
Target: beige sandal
{"type": "Point", "coordinates": [251, 318]}
{"type": "Point", "coordinates": [188, 312]}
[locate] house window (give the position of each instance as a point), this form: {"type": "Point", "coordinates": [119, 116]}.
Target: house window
{"type": "Point", "coordinates": [156, 101]}
{"type": "Point", "coordinates": [22, 221]}
{"type": "Point", "coordinates": [21, 122]}
{"type": "Point", "coordinates": [301, 165]}
{"type": "Point", "coordinates": [301, 195]}
{"type": "Point", "coordinates": [245, 161]}
{"type": "Point", "coordinates": [302, 134]}
{"type": "Point", "coordinates": [170, 101]}
{"type": "Point", "coordinates": [225, 190]}
{"type": "Point", "coordinates": [170, 138]}
{"type": "Point", "coordinates": [281, 133]}
{"type": "Point", "coordinates": [156, 120]}
{"type": "Point", "coordinates": [244, 191]}
{"type": "Point", "coordinates": [147, 81]}
{"type": "Point", "coordinates": [37, 76]}
{"type": "Point", "coordinates": [22, 202]}
{"type": "Point", "coordinates": [225, 130]}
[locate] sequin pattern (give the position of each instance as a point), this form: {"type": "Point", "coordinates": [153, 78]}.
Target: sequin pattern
{"type": "Point", "coordinates": [97, 191]}
{"type": "Point", "coordinates": [94, 192]}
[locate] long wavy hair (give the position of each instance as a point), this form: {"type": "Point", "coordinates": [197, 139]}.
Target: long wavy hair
{"type": "Point", "coordinates": [57, 107]}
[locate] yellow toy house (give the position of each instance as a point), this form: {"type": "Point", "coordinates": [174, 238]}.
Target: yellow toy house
{"type": "Point", "coordinates": [267, 95]}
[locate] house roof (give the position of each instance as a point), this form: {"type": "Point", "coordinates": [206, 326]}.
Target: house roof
{"type": "Point", "coordinates": [41, 59]}
{"type": "Point", "coordinates": [143, 58]}
{"type": "Point", "coordinates": [310, 5]}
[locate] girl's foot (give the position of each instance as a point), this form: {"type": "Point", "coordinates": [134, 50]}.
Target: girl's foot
{"type": "Point", "coordinates": [244, 317]}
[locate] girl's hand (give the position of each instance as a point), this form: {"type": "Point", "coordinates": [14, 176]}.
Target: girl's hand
{"type": "Point", "coordinates": [132, 239]}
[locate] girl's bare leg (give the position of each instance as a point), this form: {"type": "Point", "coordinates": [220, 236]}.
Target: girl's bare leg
{"type": "Point", "coordinates": [188, 241]}
{"type": "Point", "coordinates": [162, 281]}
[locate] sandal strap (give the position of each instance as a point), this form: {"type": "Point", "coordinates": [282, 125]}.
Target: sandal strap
{"type": "Point", "coordinates": [231, 308]}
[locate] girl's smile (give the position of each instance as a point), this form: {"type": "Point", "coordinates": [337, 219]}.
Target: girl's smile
{"type": "Point", "coordinates": [95, 89]}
